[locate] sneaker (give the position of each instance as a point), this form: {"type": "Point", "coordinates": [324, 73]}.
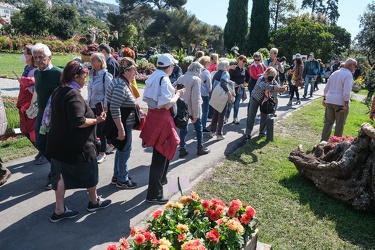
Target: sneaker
{"type": "Point", "coordinates": [126, 185]}
{"type": "Point", "coordinates": [220, 137]}
{"type": "Point", "coordinates": [212, 134]}
{"type": "Point", "coordinates": [5, 177]}
{"type": "Point", "coordinates": [41, 160]}
{"type": "Point", "coordinates": [100, 158]}
{"type": "Point", "coordinates": [109, 149]}
{"type": "Point", "coordinates": [183, 152]}
{"type": "Point", "coordinates": [48, 185]}
{"type": "Point", "coordinates": [68, 214]}
{"type": "Point", "coordinates": [235, 121]}
{"type": "Point", "coordinates": [38, 155]}
{"type": "Point", "coordinates": [225, 120]}
{"type": "Point", "coordinates": [114, 180]}
{"type": "Point", "coordinates": [102, 203]}
{"type": "Point", "coordinates": [161, 200]}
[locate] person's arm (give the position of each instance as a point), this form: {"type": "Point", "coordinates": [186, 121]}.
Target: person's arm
{"type": "Point", "coordinates": [372, 111]}
{"type": "Point", "coordinates": [93, 121]}
{"type": "Point", "coordinates": [178, 94]}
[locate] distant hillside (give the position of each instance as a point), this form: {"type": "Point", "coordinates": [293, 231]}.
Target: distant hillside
{"type": "Point", "coordinates": [84, 7]}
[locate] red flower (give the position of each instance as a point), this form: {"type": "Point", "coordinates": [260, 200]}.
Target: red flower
{"type": "Point", "coordinates": [250, 211]}
{"type": "Point", "coordinates": [112, 247]}
{"type": "Point", "coordinates": [205, 204]}
{"type": "Point", "coordinates": [235, 205]}
{"type": "Point", "coordinates": [139, 239]}
{"type": "Point", "coordinates": [157, 213]}
{"type": "Point", "coordinates": [213, 235]}
{"type": "Point", "coordinates": [181, 237]}
{"type": "Point", "coordinates": [245, 219]}
{"type": "Point", "coordinates": [133, 231]}
{"type": "Point", "coordinates": [231, 212]}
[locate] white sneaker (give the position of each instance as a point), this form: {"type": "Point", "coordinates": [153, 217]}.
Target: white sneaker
{"type": "Point", "coordinates": [100, 158]}
{"type": "Point", "coordinates": [220, 137]}
{"type": "Point", "coordinates": [212, 135]}
{"type": "Point", "coordinates": [109, 149]}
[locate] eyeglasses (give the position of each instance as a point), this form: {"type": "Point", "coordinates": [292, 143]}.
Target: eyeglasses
{"type": "Point", "coordinates": [81, 66]}
{"type": "Point", "coordinates": [39, 57]}
{"type": "Point", "coordinates": [244, 61]}
{"type": "Point", "coordinates": [256, 60]}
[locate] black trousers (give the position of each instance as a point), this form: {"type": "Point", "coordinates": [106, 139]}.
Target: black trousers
{"type": "Point", "coordinates": [158, 175]}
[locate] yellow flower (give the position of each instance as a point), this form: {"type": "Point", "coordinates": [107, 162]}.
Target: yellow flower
{"type": "Point", "coordinates": [169, 205]}
{"type": "Point", "coordinates": [183, 228]}
{"type": "Point", "coordinates": [165, 242]}
{"type": "Point", "coordinates": [235, 225]}
{"type": "Point", "coordinates": [195, 196]}
{"type": "Point", "coordinates": [179, 205]}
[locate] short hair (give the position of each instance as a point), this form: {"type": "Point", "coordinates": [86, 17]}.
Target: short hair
{"type": "Point", "coordinates": [99, 57]}
{"type": "Point", "coordinates": [72, 69]}
{"type": "Point", "coordinates": [350, 61]}
{"type": "Point", "coordinates": [241, 58]}
{"type": "Point", "coordinates": [105, 47]}
{"type": "Point", "coordinates": [199, 54]}
{"type": "Point", "coordinates": [204, 59]}
{"type": "Point", "coordinates": [274, 50]}
{"type": "Point", "coordinates": [270, 71]}
{"type": "Point", "coordinates": [41, 46]}
{"type": "Point", "coordinates": [214, 58]}
{"type": "Point", "coordinates": [258, 55]}
{"type": "Point", "coordinates": [223, 65]}
{"type": "Point", "coordinates": [195, 67]}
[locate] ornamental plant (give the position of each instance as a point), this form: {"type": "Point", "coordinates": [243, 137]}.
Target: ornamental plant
{"type": "Point", "coordinates": [193, 223]}
{"type": "Point", "coordinates": [334, 140]}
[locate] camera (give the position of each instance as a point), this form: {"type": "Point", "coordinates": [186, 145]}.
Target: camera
{"type": "Point", "coordinates": [282, 59]}
{"type": "Point", "coordinates": [180, 86]}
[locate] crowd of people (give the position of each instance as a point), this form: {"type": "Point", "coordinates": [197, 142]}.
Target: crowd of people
{"type": "Point", "coordinates": [81, 132]}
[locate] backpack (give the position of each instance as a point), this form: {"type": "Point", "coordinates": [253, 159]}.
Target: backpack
{"type": "Point", "coordinates": [181, 119]}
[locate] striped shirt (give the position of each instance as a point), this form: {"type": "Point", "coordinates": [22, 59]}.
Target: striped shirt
{"type": "Point", "coordinates": [260, 87]}
{"type": "Point", "coordinates": [120, 96]}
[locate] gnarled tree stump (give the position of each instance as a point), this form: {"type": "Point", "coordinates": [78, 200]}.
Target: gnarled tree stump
{"type": "Point", "coordinates": [345, 172]}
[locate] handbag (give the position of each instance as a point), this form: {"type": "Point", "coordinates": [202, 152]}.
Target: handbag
{"type": "Point", "coordinates": [32, 111]}
{"type": "Point", "coordinates": [300, 83]}
{"type": "Point", "coordinates": [140, 118]}
{"type": "Point", "coordinates": [268, 105]}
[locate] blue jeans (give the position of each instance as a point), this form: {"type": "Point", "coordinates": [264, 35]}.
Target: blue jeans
{"type": "Point", "coordinates": [308, 81]}
{"type": "Point", "coordinates": [198, 130]}
{"type": "Point", "coordinates": [236, 105]}
{"type": "Point", "coordinates": [121, 168]}
{"type": "Point", "coordinates": [205, 108]}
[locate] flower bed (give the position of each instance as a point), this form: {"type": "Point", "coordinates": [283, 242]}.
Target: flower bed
{"type": "Point", "coordinates": [192, 223]}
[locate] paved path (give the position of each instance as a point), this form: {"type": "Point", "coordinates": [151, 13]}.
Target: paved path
{"type": "Point", "coordinates": [25, 206]}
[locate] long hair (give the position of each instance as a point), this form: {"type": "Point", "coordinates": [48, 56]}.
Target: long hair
{"type": "Point", "coordinates": [72, 69]}
{"type": "Point", "coordinates": [299, 69]}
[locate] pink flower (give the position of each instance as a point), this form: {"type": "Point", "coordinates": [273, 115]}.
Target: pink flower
{"type": "Point", "coordinates": [250, 211]}
{"type": "Point", "coordinates": [157, 213]}
{"type": "Point", "coordinates": [133, 231]}
{"type": "Point", "coordinates": [181, 237]}
{"type": "Point", "coordinates": [139, 239]}
{"type": "Point", "coordinates": [235, 205]}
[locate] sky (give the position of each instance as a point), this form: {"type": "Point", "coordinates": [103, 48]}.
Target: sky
{"type": "Point", "coordinates": [214, 12]}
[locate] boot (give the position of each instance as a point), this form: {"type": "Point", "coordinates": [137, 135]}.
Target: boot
{"type": "Point", "coordinates": [298, 102]}
{"type": "Point", "coordinates": [183, 152]}
{"type": "Point", "coordinates": [290, 103]}
{"type": "Point", "coordinates": [202, 151]}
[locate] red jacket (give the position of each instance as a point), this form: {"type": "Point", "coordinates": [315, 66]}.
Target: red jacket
{"type": "Point", "coordinates": [160, 132]}
{"type": "Point", "coordinates": [27, 125]}
{"type": "Point", "coordinates": [257, 71]}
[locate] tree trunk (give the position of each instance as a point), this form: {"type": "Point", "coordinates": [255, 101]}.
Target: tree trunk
{"type": "Point", "coordinates": [345, 172]}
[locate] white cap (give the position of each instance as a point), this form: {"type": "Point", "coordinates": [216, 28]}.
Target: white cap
{"type": "Point", "coordinates": [164, 60]}
{"type": "Point", "coordinates": [298, 55]}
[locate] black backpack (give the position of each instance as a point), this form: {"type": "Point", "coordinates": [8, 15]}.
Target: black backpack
{"type": "Point", "coordinates": [181, 119]}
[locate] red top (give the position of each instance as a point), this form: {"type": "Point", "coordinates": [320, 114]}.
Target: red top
{"type": "Point", "coordinates": [257, 71]}
{"type": "Point", "coordinates": [212, 67]}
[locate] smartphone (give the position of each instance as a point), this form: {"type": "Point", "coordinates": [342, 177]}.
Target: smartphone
{"type": "Point", "coordinates": [14, 72]}
{"type": "Point", "coordinates": [99, 108]}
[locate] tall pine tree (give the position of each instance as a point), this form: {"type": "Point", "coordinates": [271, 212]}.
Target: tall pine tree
{"type": "Point", "coordinates": [259, 26]}
{"type": "Point", "coordinates": [236, 27]}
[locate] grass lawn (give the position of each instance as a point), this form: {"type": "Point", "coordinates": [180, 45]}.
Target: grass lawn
{"type": "Point", "coordinates": [12, 62]}
{"type": "Point", "coordinates": [292, 212]}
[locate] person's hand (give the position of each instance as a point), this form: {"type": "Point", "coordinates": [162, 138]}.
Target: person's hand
{"type": "Point", "coordinates": [230, 99]}
{"type": "Point", "coordinates": [121, 135]}
{"type": "Point", "coordinates": [343, 109]}
{"type": "Point", "coordinates": [324, 103]}
{"type": "Point", "coordinates": [194, 120]}
{"type": "Point", "coordinates": [101, 118]}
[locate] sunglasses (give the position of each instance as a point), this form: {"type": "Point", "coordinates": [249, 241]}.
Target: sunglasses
{"type": "Point", "coordinates": [257, 60]}
{"type": "Point", "coordinates": [244, 61]}
{"type": "Point", "coordinates": [81, 66]}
